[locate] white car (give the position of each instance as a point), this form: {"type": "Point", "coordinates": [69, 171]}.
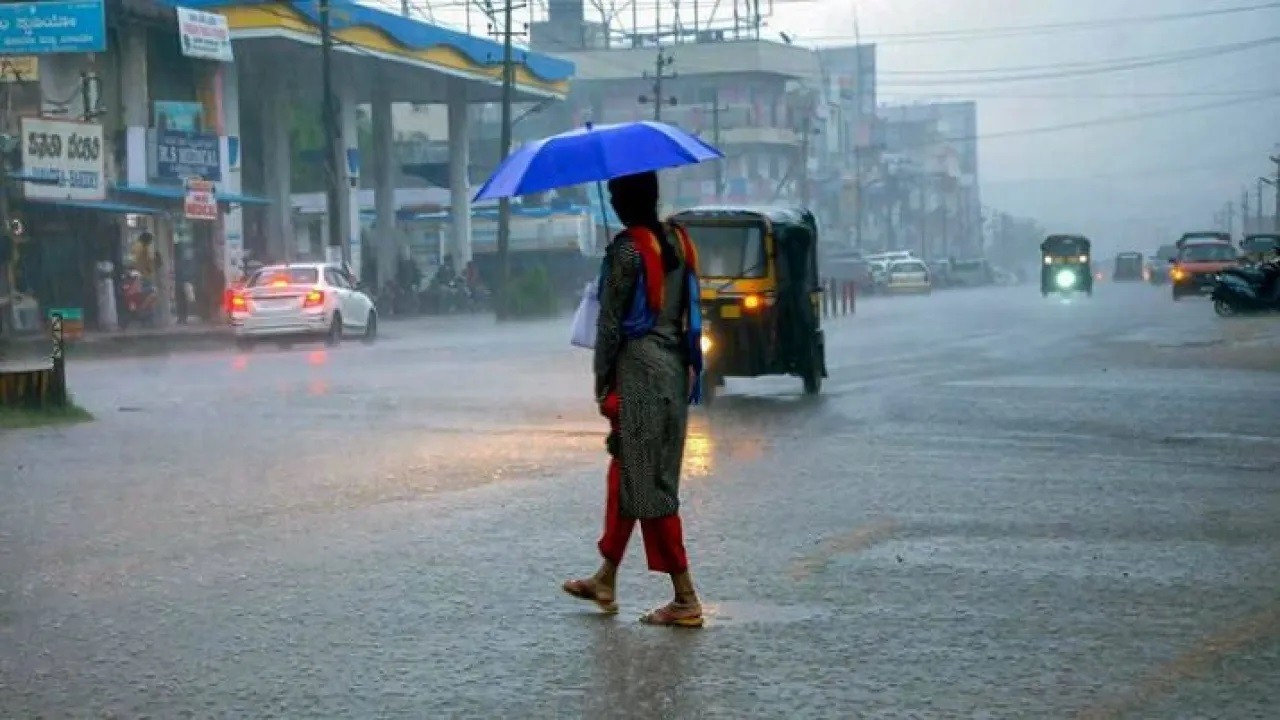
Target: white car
{"type": "Point", "coordinates": [908, 276]}
{"type": "Point", "coordinates": [301, 300]}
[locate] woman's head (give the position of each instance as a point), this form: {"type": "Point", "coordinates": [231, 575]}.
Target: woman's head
{"type": "Point", "coordinates": [635, 198]}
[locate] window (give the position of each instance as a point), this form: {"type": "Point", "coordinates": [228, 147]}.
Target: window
{"type": "Point", "coordinates": [1208, 252]}
{"type": "Point", "coordinates": [336, 279]}
{"type": "Point", "coordinates": [284, 276]}
{"type": "Point", "coordinates": [730, 251]}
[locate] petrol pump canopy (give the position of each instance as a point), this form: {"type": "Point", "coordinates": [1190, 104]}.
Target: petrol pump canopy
{"type": "Point", "coordinates": [394, 42]}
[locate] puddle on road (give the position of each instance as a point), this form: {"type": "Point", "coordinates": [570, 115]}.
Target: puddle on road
{"type": "Point", "coordinates": [759, 613]}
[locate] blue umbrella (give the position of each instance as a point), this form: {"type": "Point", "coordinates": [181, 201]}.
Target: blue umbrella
{"type": "Point", "coordinates": [594, 154]}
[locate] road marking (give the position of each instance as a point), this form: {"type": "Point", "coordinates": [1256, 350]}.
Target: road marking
{"type": "Point", "coordinates": [1207, 655]}
{"type": "Point", "coordinates": [860, 539]}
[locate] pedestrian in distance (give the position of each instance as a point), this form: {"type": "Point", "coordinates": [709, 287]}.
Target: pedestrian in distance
{"type": "Point", "coordinates": [648, 364]}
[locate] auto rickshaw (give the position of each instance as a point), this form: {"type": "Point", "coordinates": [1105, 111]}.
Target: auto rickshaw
{"type": "Point", "coordinates": [1066, 265]}
{"type": "Point", "coordinates": [761, 294]}
{"type": "Point", "coordinates": [1257, 247]}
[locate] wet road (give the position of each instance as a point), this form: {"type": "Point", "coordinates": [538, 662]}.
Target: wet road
{"type": "Point", "coordinates": [1000, 507]}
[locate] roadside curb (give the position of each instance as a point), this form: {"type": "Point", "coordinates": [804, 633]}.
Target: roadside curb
{"type": "Point", "coordinates": [125, 345]}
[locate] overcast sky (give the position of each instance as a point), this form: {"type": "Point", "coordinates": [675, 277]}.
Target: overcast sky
{"type": "Point", "coordinates": [1121, 183]}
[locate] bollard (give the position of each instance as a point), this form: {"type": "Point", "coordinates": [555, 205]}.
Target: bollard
{"type": "Point", "coordinates": [58, 357]}
{"type": "Point", "coordinates": [844, 297]}
{"type": "Point", "coordinates": [853, 299]}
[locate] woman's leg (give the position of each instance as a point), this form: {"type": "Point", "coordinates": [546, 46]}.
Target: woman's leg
{"type": "Point", "coordinates": [600, 587]}
{"type": "Point", "coordinates": [664, 546]}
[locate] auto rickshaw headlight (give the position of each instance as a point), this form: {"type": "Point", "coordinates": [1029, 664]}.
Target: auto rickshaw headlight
{"type": "Point", "coordinates": [706, 343]}
{"type": "Point", "coordinates": [751, 302]}
{"type": "Point", "coordinates": [1065, 279]}
{"type": "Point", "coordinates": [1048, 260]}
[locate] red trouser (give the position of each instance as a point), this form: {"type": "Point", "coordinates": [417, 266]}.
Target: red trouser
{"type": "Point", "coordinates": [663, 536]}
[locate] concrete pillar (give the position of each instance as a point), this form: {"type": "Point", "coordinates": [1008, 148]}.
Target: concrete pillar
{"type": "Point", "coordinates": [459, 185]}
{"type": "Point", "coordinates": [350, 168]}
{"type": "Point", "coordinates": [229, 130]}
{"type": "Point", "coordinates": [273, 101]}
{"type": "Point", "coordinates": [384, 192]}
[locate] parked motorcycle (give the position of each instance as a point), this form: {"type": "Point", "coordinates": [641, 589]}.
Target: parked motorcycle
{"type": "Point", "coordinates": [139, 306]}
{"type": "Point", "coordinates": [1248, 290]}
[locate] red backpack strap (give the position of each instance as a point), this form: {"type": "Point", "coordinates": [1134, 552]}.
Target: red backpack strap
{"type": "Point", "coordinates": [687, 246]}
{"type": "Point", "coordinates": [651, 258]}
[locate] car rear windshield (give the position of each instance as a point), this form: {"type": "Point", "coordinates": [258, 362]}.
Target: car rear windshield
{"type": "Point", "coordinates": [1262, 243]}
{"type": "Point", "coordinates": [284, 276]}
{"type": "Point", "coordinates": [911, 266]}
{"type": "Point", "coordinates": [1208, 252]}
{"type": "Point", "coordinates": [733, 251]}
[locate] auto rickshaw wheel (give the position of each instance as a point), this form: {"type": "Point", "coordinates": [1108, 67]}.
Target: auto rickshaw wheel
{"type": "Point", "coordinates": [813, 382]}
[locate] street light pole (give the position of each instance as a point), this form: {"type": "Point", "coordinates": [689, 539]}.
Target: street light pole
{"type": "Point", "coordinates": [332, 139]}
{"type": "Point", "coordinates": [504, 204]}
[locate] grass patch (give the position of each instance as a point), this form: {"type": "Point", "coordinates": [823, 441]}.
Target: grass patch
{"type": "Point", "coordinates": [12, 418]}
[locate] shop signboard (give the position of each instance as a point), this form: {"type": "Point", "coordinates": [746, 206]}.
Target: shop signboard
{"type": "Point", "coordinates": [200, 202]}
{"type": "Point", "coordinates": [204, 35]}
{"type": "Point", "coordinates": [31, 28]}
{"type": "Point", "coordinates": [67, 156]}
{"type": "Point", "coordinates": [181, 154]}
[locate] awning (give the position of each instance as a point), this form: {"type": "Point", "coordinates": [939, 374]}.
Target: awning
{"type": "Point", "coordinates": [173, 192]}
{"type": "Point", "coordinates": [107, 206]}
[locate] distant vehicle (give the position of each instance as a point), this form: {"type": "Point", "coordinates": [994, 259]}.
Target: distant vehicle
{"type": "Point", "coordinates": [879, 274]}
{"type": "Point", "coordinates": [972, 273]}
{"type": "Point", "coordinates": [850, 268]}
{"type": "Point", "coordinates": [1256, 247]}
{"type": "Point", "coordinates": [1200, 259]}
{"type": "Point", "coordinates": [940, 273]}
{"type": "Point", "coordinates": [1128, 267]}
{"type": "Point", "coordinates": [1200, 236]}
{"type": "Point", "coordinates": [1066, 265]}
{"type": "Point", "coordinates": [302, 300]}
{"type": "Point", "coordinates": [1159, 274]}
{"type": "Point", "coordinates": [908, 276]}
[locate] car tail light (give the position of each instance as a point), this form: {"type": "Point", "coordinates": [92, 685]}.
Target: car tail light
{"type": "Point", "coordinates": [1177, 273]}
{"type": "Point", "coordinates": [315, 298]}
{"type": "Point", "coordinates": [238, 301]}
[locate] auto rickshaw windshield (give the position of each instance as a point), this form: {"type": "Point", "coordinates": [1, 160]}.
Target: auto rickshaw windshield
{"type": "Point", "coordinates": [730, 251]}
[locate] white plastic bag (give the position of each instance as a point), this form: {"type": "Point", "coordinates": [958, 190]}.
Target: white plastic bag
{"type": "Point", "coordinates": [584, 320]}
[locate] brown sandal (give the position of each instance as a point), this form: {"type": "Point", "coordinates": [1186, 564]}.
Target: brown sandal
{"type": "Point", "coordinates": [591, 590]}
{"type": "Point", "coordinates": [675, 614]}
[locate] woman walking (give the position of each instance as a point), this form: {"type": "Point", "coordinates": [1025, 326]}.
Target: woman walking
{"type": "Point", "coordinates": [647, 371]}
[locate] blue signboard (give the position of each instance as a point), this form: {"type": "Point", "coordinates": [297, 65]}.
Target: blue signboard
{"type": "Point", "coordinates": [181, 155]}
{"type": "Point", "coordinates": [35, 28]}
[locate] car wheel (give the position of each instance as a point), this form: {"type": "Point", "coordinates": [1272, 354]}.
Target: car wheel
{"type": "Point", "coordinates": [333, 338]}
{"type": "Point", "coordinates": [371, 328]}
{"type": "Point", "coordinates": [1223, 308]}
{"type": "Point", "coordinates": [1176, 296]}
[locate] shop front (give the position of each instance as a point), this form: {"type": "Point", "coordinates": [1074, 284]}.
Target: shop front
{"type": "Point", "coordinates": [185, 168]}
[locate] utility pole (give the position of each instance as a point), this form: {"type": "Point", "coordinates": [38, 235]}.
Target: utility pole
{"type": "Point", "coordinates": [1231, 217]}
{"type": "Point", "coordinates": [504, 204]}
{"type": "Point", "coordinates": [334, 156]}
{"type": "Point", "coordinates": [1244, 211]}
{"type": "Point", "coordinates": [1258, 223]}
{"type": "Point", "coordinates": [661, 72]}
{"type": "Point", "coordinates": [1275, 185]}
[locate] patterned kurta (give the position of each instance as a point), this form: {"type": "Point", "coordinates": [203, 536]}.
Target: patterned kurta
{"type": "Point", "coordinates": [651, 376]}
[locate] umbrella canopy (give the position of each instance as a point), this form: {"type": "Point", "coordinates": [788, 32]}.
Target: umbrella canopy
{"type": "Point", "coordinates": [594, 154]}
